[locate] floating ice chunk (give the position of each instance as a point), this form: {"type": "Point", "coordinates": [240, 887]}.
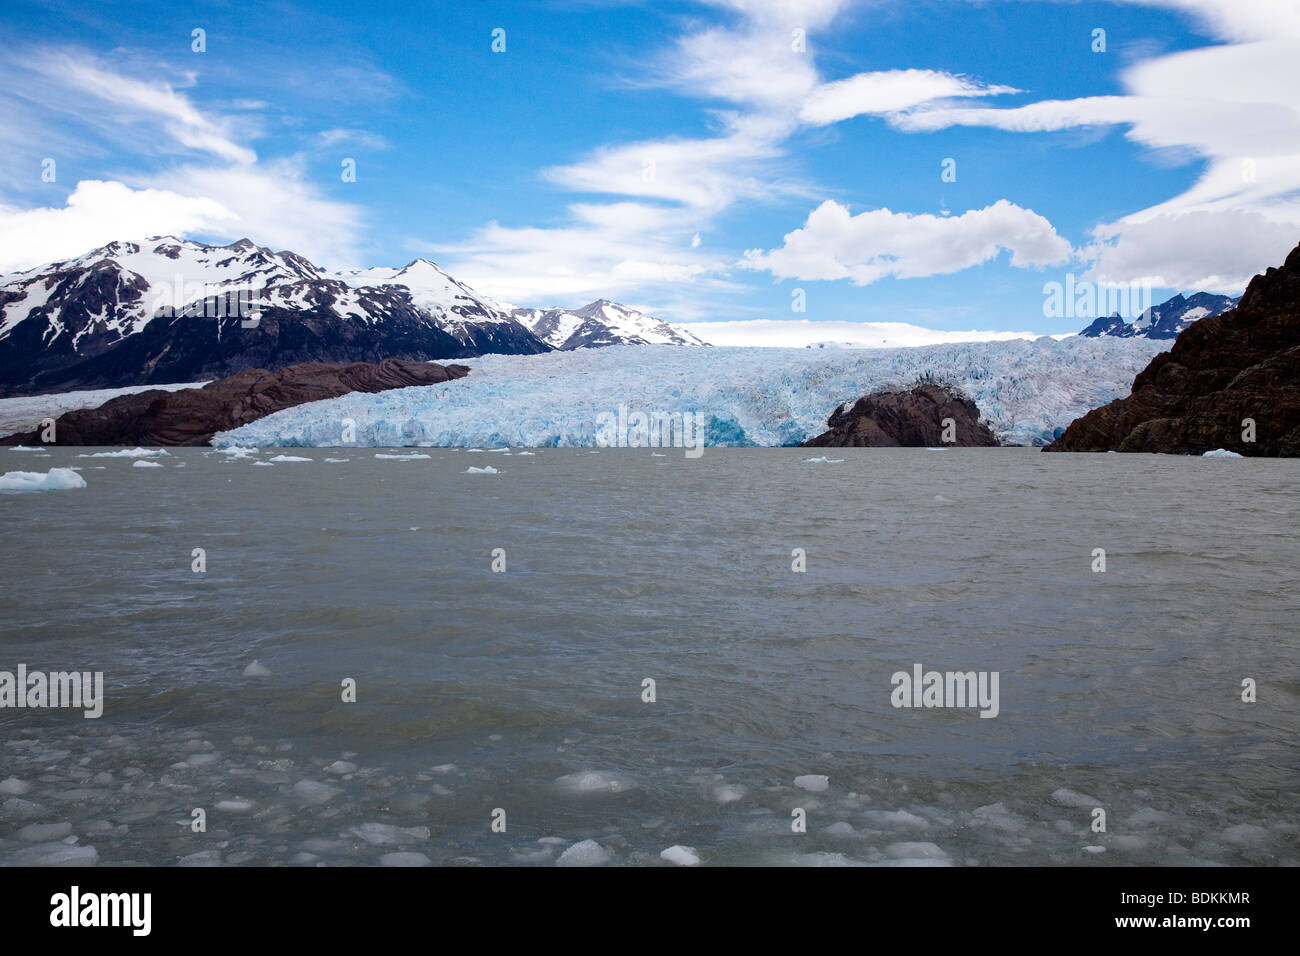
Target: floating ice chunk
{"type": "Point", "coordinates": [202, 858]}
{"type": "Point", "coordinates": [1072, 798]}
{"type": "Point", "coordinates": [341, 767]}
{"type": "Point", "coordinates": [529, 454]}
{"type": "Point", "coordinates": [279, 458]}
{"type": "Point", "coordinates": [238, 451]}
{"type": "Point", "coordinates": [54, 854]}
{"type": "Point", "coordinates": [681, 855]}
{"type": "Point", "coordinates": [822, 461]}
{"type": "Point", "coordinates": [896, 818]}
{"type": "Point", "coordinates": [533, 856]}
{"type": "Point", "coordinates": [444, 768]}
{"type": "Point", "coordinates": [405, 859]}
{"type": "Point", "coordinates": [401, 457]}
{"type": "Point", "coordinates": [234, 806]}
{"type": "Point", "coordinates": [728, 793]}
{"type": "Point", "coordinates": [257, 669]}
{"type": "Point", "coordinates": [264, 464]}
{"type": "Point", "coordinates": [25, 448]}
{"type": "Point", "coordinates": [141, 463]}
{"type": "Point", "coordinates": [489, 470]}
{"type": "Point", "coordinates": [385, 834]}
{"type": "Point", "coordinates": [586, 853]}
{"type": "Point", "coordinates": [130, 453]}
{"type": "Point", "coordinates": [14, 787]}
{"type": "Point", "coordinates": [44, 832]}
{"type": "Point", "coordinates": [657, 454]}
{"type": "Point", "coordinates": [1246, 834]}
{"type": "Point", "coordinates": [335, 461]}
{"type": "Point", "coordinates": [314, 792]}
{"type": "Point", "coordinates": [56, 479]}
{"type": "Point", "coordinates": [592, 781]}
{"type": "Point", "coordinates": [941, 448]}
{"type": "Point", "coordinates": [1094, 849]}
{"type": "Point", "coordinates": [812, 782]}
{"type": "Point", "coordinates": [917, 852]}
{"type": "Point", "coordinates": [942, 500]}
{"type": "Point", "coordinates": [1221, 453]}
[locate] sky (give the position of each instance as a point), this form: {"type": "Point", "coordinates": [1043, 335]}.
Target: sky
{"type": "Point", "coordinates": [792, 168]}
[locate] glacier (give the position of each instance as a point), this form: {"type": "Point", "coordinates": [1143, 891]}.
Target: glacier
{"type": "Point", "coordinates": [1028, 390]}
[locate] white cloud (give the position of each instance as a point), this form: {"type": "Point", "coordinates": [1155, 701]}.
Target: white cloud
{"type": "Point", "coordinates": [888, 91]}
{"type": "Point", "coordinates": [872, 245]}
{"type": "Point", "coordinates": [97, 213]}
{"type": "Point", "coordinates": [1235, 107]}
{"type": "Point", "coordinates": [1209, 251]}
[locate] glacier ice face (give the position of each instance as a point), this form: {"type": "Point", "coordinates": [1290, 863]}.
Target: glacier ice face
{"type": "Point", "coordinates": [1029, 391]}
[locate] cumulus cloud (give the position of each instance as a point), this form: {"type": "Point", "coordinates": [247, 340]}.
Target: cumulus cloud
{"type": "Point", "coordinates": [833, 244]}
{"type": "Point", "coordinates": [97, 213]}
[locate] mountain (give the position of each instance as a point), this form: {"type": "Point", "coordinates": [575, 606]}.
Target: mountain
{"type": "Point", "coordinates": [599, 324]}
{"type": "Point", "coordinates": [1163, 321]}
{"type": "Point", "coordinates": [1222, 370]}
{"type": "Point", "coordinates": [168, 310]}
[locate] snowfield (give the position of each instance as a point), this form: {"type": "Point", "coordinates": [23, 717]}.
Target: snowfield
{"type": "Point", "coordinates": [1028, 390]}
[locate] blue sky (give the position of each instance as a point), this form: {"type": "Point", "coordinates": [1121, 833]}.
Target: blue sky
{"type": "Point", "coordinates": [687, 158]}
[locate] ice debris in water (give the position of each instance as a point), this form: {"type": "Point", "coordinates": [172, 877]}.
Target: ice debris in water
{"type": "Point", "coordinates": [586, 853]}
{"type": "Point", "coordinates": [279, 458]}
{"type": "Point", "coordinates": [130, 453]}
{"type": "Point", "coordinates": [489, 470]}
{"type": "Point", "coordinates": [592, 781]}
{"type": "Point", "coordinates": [402, 457]}
{"type": "Point", "coordinates": [257, 669]}
{"type": "Point", "coordinates": [56, 479]}
{"type": "Point", "coordinates": [1071, 798]}
{"type": "Point", "coordinates": [822, 461]}
{"type": "Point", "coordinates": [812, 782]}
{"type": "Point", "coordinates": [314, 792]}
{"type": "Point", "coordinates": [385, 834]}
{"type": "Point", "coordinates": [681, 855]}
{"type": "Point", "coordinates": [145, 464]}
{"type": "Point", "coordinates": [1221, 453]}
{"type": "Point", "coordinates": [404, 859]}
{"type": "Point", "coordinates": [748, 396]}
{"type": "Point", "coordinates": [25, 448]}
{"type": "Point", "coordinates": [238, 451]}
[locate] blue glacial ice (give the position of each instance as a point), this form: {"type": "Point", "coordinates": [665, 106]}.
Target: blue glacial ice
{"type": "Point", "coordinates": [1028, 390]}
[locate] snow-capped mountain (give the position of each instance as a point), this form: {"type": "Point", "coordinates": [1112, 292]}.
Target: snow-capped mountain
{"type": "Point", "coordinates": [600, 324]}
{"type": "Point", "coordinates": [1163, 321]}
{"type": "Point", "coordinates": [169, 310]}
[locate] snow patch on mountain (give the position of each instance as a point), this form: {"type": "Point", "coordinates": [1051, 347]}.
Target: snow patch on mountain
{"type": "Point", "coordinates": [1028, 390]}
{"type": "Point", "coordinates": [602, 323]}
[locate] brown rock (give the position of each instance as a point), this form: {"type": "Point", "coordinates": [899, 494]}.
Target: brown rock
{"type": "Point", "coordinates": [192, 416]}
{"type": "Point", "coordinates": [907, 418]}
{"type": "Point", "coordinates": [1221, 370]}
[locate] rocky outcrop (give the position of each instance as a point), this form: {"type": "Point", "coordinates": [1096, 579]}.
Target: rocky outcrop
{"type": "Point", "coordinates": [192, 416]}
{"type": "Point", "coordinates": [907, 418]}
{"type": "Point", "coordinates": [1222, 370]}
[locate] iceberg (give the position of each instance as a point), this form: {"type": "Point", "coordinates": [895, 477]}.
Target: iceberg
{"type": "Point", "coordinates": [56, 479]}
{"type": "Point", "coordinates": [1028, 390]}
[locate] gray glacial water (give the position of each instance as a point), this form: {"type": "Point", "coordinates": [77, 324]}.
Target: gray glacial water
{"type": "Point", "coordinates": [522, 690]}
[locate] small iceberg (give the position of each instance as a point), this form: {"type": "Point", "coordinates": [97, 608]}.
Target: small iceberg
{"type": "Point", "coordinates": [1222, 453]}
{"type": "Point", "coordinates": [278, 458]}
{"type": "Point", "coordinates": [822, 461]}
{"type": "Point", "coordinates": [401, 457]}
{"type": "Point", "coordinates": [489, 470]}
{"type": "Point", "coordinates": [25, 448]}
{"type": "Point", "coordinates": [141, 463]}
{"type": "Point", "coordinates": [237, 451]}
{"type": "Point", "coordinates": [130, 453]}
{"type": "Point", "coordinates": [56, 479]}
